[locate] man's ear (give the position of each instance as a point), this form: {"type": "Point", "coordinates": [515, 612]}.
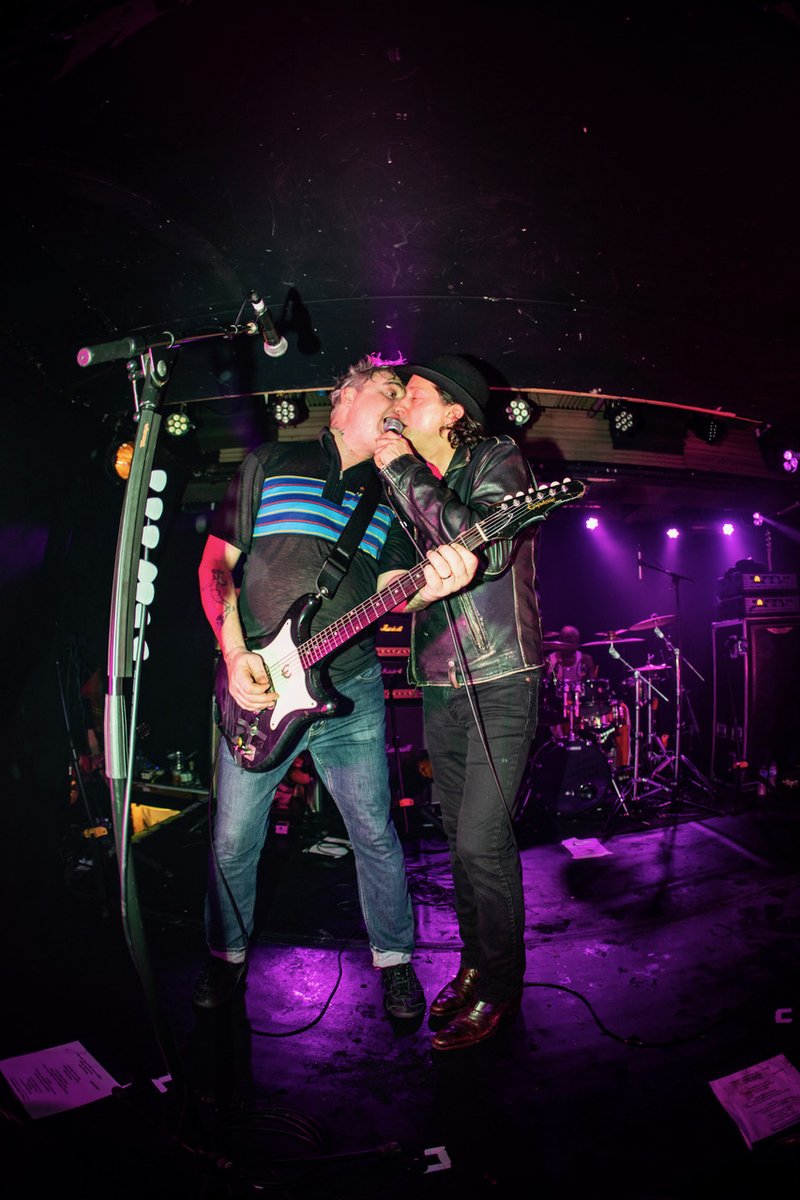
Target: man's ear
{"type": "Point", "coordinates": [454, 413]}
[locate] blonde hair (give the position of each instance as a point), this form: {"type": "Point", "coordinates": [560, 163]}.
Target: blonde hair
{"type": "Point", "coordinates": [356, 376]}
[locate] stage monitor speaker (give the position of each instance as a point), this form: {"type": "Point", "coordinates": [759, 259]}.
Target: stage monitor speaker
{"type": "Point", "coordinates": [756, 698]}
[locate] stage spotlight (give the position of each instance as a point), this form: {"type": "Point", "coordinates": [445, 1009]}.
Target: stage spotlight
{"type": "Point", "coordinates": [120, 459]}
{"type": "Point", "coordinates": [592, 523]}
{"type": "Point", "coordinates": [288, 408]}
{"type": "Point", "coordinates": [728, 529]}
{"type": "Point", "coordinates": [758, 518]}
{"type": "Point", "coordinates": [673, 533]}
{"type": "Point", "coordinates": [177, 423]}
{"type": "Point", "coordinates": [624, 421]}
{"type": "Point", "coordinates": [709, 429]}
{"type": "Point", "coordinates": [778, 449]}
{"type": "Point", "coordinates": [521, 412]}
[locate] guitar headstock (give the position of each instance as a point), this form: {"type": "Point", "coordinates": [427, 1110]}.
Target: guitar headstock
{"type": "Point", "coordinates": [513, 513]}
{"type": "Point", "coordinates": [561, 491]}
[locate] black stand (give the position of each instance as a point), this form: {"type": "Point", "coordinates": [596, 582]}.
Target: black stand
{"type": "Point", "coordinates": [684, 774]}
{"type": "Point", "coordinates": [402, 800]}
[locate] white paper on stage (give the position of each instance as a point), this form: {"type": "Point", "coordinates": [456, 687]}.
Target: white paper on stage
{"type": "Point", "coordinates": [54, 1080]}
{"type": "Point", "coordinates": [763, 1099]}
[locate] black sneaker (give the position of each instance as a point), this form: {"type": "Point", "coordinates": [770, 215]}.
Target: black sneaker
{"type": "Point", "coordinates": [403, 996]}
{"type": "Point", "coordinates": [218, 982]}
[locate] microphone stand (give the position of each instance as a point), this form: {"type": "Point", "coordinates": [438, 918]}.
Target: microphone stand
{"type": "Point", "coordinates": [132, 593]}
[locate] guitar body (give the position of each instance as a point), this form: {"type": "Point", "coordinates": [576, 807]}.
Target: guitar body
{"type": "Point", "coordinates": [259, 741]}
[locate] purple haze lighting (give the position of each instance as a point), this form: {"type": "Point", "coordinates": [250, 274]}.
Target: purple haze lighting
{"type": "Point", "coordinates": [592, 522]}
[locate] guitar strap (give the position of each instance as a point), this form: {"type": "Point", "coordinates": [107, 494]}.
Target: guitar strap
{"type": "Point", "coordinates": [337, 563]}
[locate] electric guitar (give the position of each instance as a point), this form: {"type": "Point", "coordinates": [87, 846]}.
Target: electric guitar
{"type": "Point", "coordinates": [259, 741]}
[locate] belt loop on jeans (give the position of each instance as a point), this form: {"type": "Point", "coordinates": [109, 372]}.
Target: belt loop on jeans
{"type": "Point", "coordinates": [451, 671]}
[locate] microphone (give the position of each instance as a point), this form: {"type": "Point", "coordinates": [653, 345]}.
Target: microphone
{"type": "Point", "coordinates": [393, 425]}
{"type": "Point", "coordinates": [639, 561]}
{"type": "Point", "coordinates": [274, 344]}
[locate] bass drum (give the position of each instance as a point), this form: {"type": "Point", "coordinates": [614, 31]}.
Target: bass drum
{"type": "Point", "coordinates": [569, 778]}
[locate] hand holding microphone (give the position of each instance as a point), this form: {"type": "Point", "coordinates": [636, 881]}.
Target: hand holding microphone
{"type": "Point", "coordinates": [391, 443]}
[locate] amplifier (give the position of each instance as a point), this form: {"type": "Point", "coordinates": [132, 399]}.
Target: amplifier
{"type": "Point", "coordinates": [738, 583]}
{"type": "Point", "coordinates": [394, 669]}
{"type": "Point", "coordinates": [393, 630]}
{"type": "Point", "coordinates": [758, 606]}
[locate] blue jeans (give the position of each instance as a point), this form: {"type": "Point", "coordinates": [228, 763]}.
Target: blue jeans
{"type": "Point", "coordinates": [487, 873]}
{"type": "Point", "coordinates": [349, 752]}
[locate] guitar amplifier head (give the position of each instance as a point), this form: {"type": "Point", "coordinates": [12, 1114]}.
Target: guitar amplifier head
{"type": "Point", "coordinates": [393, 631]}
{"type": "Point", "coordinates": [394, 669]}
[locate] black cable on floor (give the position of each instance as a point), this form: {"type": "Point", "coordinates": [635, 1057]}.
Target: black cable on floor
{"type": "Point", "coordinates": [633, 1039]}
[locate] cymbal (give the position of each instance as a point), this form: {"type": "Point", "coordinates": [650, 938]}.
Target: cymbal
{"type": "Point", "coordinates": [611, 634]}
{"type": "Point", "coordinates": [612, 642]}
{"type": "Point", "coordinates": [652, 622]}
{"type": "Point", "coordinates": [550, 645]}
{"type": "Point", "coordinates": [650, 667]}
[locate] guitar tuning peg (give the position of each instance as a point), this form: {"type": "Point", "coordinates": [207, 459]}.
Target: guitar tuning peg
{"type": "Point", "coordinates": [567, 479]}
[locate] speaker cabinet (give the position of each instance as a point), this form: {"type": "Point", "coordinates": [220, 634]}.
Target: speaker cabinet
{"type": "Point", "coordinates": [756, 698]}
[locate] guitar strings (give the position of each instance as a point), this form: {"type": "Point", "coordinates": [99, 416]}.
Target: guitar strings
{"type": "Point", "coordinates": [321, 643]}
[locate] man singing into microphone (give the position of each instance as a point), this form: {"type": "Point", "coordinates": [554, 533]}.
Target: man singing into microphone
{"type": "Point", "coordinates": [285, 511]}
{"type": "Point", "coordinates": [478, 660]}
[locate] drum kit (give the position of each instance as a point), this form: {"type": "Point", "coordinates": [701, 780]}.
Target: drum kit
{"type": "Point", "coordinates": [603, 754]}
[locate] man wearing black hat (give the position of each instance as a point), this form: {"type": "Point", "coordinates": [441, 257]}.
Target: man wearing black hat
{"type": "Point", "coordinates": [478, 659]}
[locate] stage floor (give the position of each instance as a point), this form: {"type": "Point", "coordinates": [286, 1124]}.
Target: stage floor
{"type": "Point", "coordinates": [652, 969]}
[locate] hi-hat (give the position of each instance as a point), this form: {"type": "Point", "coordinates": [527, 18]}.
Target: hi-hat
{"type": "Point", "coordinates": [611, 634]}
{"type": "Point", "coordinates": [652, 622]}
{"type": "Point", "coordinates": [650, 667]}
{"type": "Point", "coordinates": [612, 641]}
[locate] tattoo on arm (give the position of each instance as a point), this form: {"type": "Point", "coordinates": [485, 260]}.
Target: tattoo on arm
{"type": "Point", "coordinates": [220, 585]}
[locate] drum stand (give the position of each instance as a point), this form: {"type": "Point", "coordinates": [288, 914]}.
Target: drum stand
{"type": "Point", "coordinates": [653, 785]}
{"type": "Point", "coordinates": [677, 760]}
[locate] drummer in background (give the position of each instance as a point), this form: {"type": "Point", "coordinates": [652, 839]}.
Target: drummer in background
{"type": "Point", "coordinates": [570, 662]}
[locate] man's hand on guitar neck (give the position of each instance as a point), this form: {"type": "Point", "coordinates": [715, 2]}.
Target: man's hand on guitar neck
{"type": "Point", "coordinates": [248, 680]}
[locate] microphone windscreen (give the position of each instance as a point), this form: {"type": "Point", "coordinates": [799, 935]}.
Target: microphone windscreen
{"type": "Point", "coordinates": [393, 425]}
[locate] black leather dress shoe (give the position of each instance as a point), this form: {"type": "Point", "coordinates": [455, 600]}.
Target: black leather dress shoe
{"type": "Point", "coordinates": [475, 1024]}
{"type": "Point", "coordinates": [218, 982]}
{"type": "Point", "coordinates": [456, 994]}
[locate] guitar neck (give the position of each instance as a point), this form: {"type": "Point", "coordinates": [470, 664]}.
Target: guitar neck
{"type": "Point", "coordinates": [507, 519]}
{"type": "Point", "coordinates": [352, 623]}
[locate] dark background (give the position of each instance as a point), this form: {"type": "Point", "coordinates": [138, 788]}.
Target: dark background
{"type": "Point", "coordinates": [588, 196]}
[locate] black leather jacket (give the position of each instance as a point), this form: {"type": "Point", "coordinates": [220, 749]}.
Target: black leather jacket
{"type": "Point", "coordinates": [497, 616]}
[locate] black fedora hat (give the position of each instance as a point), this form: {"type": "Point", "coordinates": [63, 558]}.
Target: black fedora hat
{"type": "Point", "coordinates": [456, 376]}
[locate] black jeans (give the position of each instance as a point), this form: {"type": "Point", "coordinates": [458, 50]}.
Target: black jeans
{"type": "Point", "coordinates": [487, 874]}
